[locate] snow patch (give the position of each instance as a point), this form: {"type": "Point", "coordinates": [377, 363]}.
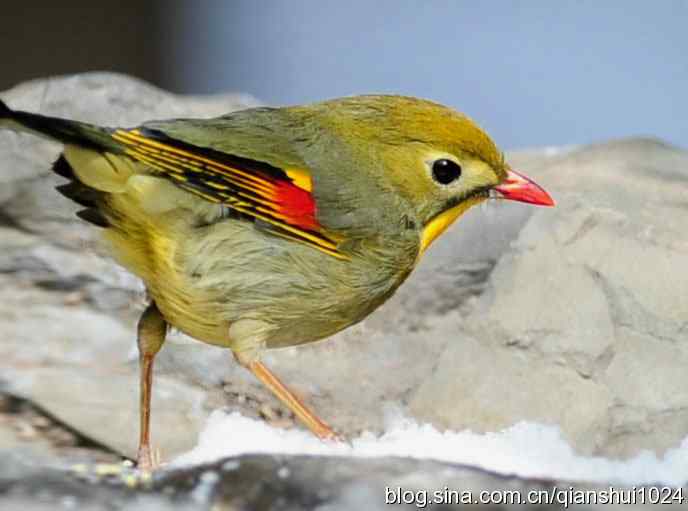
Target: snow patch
{"type": "Point", "coordinates": [525, 449]}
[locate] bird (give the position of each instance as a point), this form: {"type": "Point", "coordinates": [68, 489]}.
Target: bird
{"type": "Point", "coordinates": [274, 226]}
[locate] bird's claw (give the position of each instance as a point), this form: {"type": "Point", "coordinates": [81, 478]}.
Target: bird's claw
{"type": "Point", "coordinates": [331, 436]}
{"type": "Point", "coordinates": [148, 459]}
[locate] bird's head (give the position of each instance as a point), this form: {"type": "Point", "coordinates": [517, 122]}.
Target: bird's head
{"type": "Point", "coordinates": [438, 159]}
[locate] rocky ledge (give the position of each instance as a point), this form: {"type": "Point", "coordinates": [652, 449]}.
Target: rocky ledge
{"type": "Point", "coordinates": [256, 482]}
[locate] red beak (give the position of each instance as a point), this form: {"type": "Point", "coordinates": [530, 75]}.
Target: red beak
{"type": "Point", "coordinates": [522, 189]}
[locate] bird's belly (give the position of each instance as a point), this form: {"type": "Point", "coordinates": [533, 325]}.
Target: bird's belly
{"type": "Point", "coordinates": [301, 293]}
{"type": "Point", "coordinates": [205, 279]}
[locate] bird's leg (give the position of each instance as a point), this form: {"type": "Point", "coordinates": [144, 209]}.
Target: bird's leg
{"type": "Point", "coordinates": [151, 336]}
{"type": "Point", "coordinates": [317, 426]}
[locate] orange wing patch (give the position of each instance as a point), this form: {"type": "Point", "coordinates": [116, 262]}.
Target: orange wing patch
{"type": "Point", "coordinates": [280, 197]}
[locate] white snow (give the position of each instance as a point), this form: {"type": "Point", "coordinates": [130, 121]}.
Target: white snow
{"type": "Point", "coordinates": [525, 449]}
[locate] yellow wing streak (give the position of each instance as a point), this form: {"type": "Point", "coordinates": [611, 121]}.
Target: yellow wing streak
{"type": "Point", "coordinates": [158, 158]}
{"type": "Point", "coordinates": [264, 189]}
{"type": "Point", "coordinates": [135, 137]}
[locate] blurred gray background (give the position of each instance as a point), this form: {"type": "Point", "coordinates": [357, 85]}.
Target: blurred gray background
{"type": "Point", "coordinates": [532, 72]}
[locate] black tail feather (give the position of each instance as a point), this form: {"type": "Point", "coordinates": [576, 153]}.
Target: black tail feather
{"type": "Point", "coordinates": [68, 132]}
{"type": "Point", "coordinates": [80, 193]}
{"type": "Point", "coordinates": [65, 131]}
{"type": "Point", "coordinates": [61, 167]}
{"type": "Point", "coordinates": [4, 110]}
{"type": "Point", "coordinates": [93, 216]}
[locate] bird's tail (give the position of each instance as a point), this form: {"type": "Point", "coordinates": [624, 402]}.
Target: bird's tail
{"type": "Point", "coordinates": [92, 161]}
{"type": "Point", "coordinates": [4, 110]}
{"type": "Point", "coordinates": [62, 130]}
{"type": "Point", "coordinates": [6, 118]}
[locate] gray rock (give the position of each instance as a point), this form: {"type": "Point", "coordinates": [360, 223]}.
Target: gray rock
{"type": "Point", "coordinates": [74, 399]}
{"type": "Point", "coordinates": [278, 483]}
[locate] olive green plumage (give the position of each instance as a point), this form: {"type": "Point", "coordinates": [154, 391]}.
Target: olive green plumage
{"type": "Point", "coordinates": [232, 278]}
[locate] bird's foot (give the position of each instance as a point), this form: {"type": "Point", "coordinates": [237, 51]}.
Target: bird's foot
{"type": "Point", "coordinates": [148, 459]}
{"type": "Point", "coordinates": [328, 435]}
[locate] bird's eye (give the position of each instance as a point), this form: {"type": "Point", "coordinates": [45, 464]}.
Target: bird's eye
{"type": "Point", "coordinates": [445, 171]}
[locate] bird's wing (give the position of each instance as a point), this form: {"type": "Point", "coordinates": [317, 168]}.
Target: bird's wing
{"type": "Point", "coordinates": [279, 196]}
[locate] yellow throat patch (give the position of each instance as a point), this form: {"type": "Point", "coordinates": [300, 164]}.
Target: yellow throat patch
{"type": "Point", "coordinates": [441, 222]}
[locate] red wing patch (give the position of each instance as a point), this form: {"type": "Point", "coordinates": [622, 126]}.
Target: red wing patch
{"type": "Point", "coordinates": [297, 205]}
{"type": "Point", "coordinates": [280, 197]}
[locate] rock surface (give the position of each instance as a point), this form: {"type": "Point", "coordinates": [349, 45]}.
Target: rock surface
{"type": "Point", "coordinates": [278, 483]}
{"type": "Point", "coordinates": [576, 316]}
